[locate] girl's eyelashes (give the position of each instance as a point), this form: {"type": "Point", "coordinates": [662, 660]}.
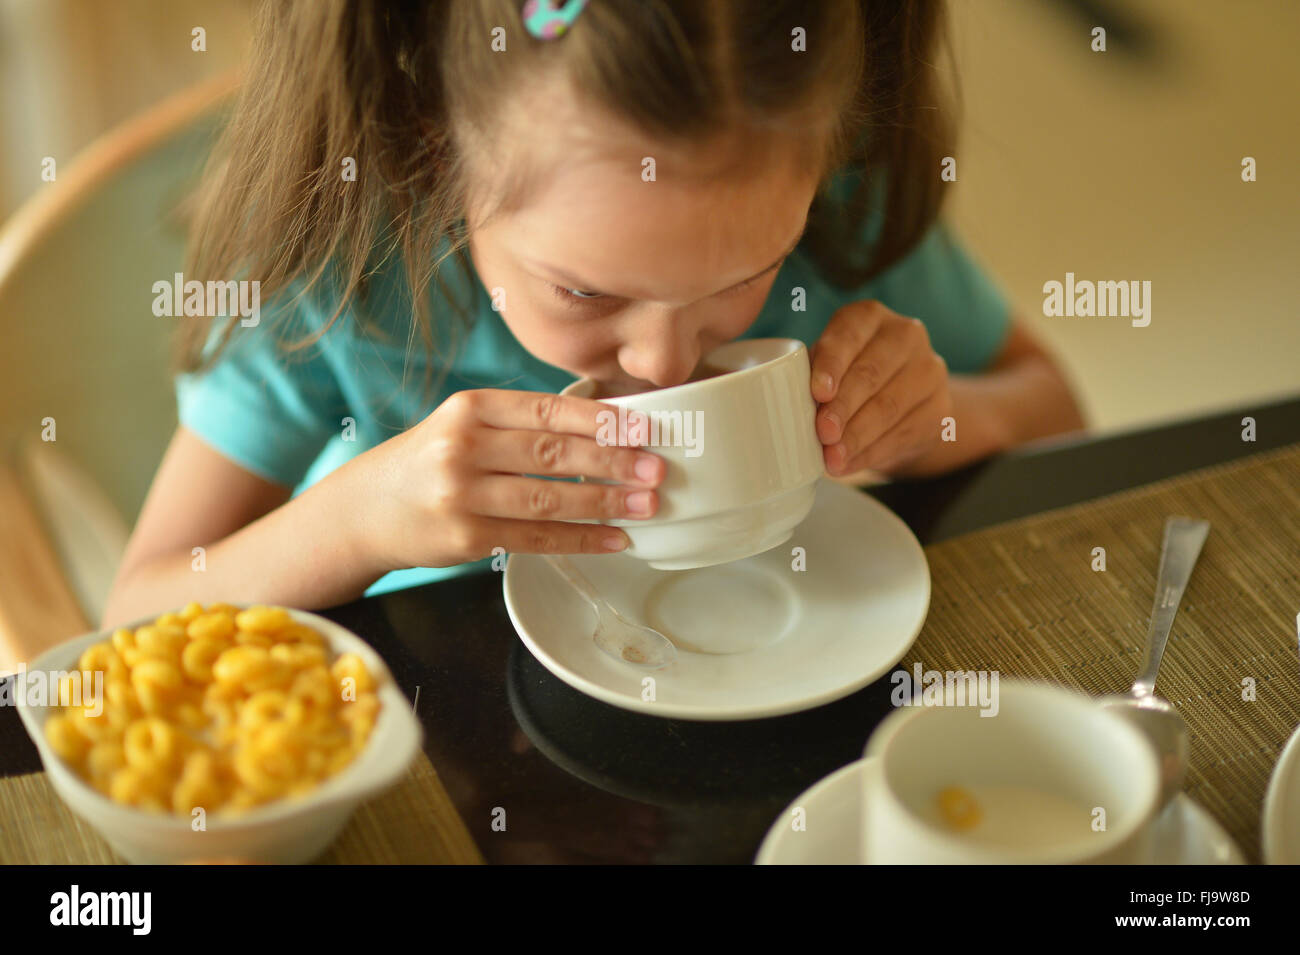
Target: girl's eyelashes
{"type": "Point", "coordinates": [578, 298]}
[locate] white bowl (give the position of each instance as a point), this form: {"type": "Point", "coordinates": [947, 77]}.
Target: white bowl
{"type": "Point", "coordinates": [284, 831]}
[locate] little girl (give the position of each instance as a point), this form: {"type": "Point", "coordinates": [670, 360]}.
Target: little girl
{"type": "Point", "coordinates": [454, 207]}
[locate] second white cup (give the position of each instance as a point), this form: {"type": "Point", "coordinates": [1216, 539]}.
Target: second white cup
{"type": "Point", "coordinates": [1051, 778]}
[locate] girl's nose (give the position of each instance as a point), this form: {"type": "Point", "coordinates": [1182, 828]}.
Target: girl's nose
{"type": "Point", "coordinates": [663, 351]}
{"type": "Point", "coordinates": [662, 363]}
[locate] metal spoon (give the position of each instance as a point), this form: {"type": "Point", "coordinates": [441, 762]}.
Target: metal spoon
{"type": "Point", "coordinates": [1184, 537]}
{"type": "Point", "coordinates": [622, 639]}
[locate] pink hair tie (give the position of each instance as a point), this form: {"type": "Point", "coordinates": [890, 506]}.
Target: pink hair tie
{"type": "Point", "coordinates": [546, 21]}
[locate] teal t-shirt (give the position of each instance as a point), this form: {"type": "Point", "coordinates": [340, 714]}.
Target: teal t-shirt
{"type": "Point", "coordinates": [293, 418]}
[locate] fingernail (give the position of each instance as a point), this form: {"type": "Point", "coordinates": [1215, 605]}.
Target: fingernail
{"type": "Point", "coordinates": [638, 502]}
{"type": "Point", "coordinates": [647, 467]}
{"type": "Point", "coordinates": [827, 383]}
{"type": "Point", "coordinates": [834, 421]}
{"type": "Point", "coordinates": [614, 542]}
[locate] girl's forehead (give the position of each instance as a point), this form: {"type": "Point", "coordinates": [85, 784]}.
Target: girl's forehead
{"type": "Point", "coordinates": [669, 239]}
{"type": "Point", "coordinates": [549, 144]}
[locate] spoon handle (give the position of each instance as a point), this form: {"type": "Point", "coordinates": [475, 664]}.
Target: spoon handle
{"type": "Point", "coordinates": [1184, 537]}
{"type": "Point", "coordinates": [570, 572]}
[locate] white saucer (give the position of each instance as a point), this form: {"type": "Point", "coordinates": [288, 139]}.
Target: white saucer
{"type": "Point", "coordinates": [1281, 825]}
{"type": "Point", "coordinates": [755, 637]}
{"type": "Point", "coordinates": [1185, 833]}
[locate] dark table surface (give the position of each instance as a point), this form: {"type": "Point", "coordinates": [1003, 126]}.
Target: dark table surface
{"type": "Point", "coordinates": [582, 781]}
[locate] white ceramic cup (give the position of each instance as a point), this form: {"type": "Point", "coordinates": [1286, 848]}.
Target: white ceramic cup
{"type": "Point", "coordinates": [1042, 738]}
{"type": "Point", "coordinates": [742, 454]}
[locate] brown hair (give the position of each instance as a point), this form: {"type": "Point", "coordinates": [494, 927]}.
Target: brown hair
{"type": "Point", "coordinates": [389, 84]}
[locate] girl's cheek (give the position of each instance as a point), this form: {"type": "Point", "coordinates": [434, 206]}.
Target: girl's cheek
{"type": "Point", "coordinates": [555, 335]}
{"type": "Point", "coordinates": [734, 314]}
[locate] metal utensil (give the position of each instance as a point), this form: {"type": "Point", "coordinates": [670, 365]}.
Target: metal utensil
{"type": "Point", "coordinates": [622, 639]}
{"type": "Point", "coordinates": [1184, 537]}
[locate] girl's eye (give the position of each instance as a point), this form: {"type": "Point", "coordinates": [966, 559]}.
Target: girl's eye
{"type": "Point", "coordinates": [577, 298]}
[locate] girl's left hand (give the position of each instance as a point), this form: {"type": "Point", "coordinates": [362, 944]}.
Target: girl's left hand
{"type": "Point", "coordinates": [881, 390]}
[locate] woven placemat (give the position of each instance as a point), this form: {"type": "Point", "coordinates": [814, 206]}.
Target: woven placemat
{"type": "Point", "coordinates": [414, 821]}
{"type": "Point", "coordinates": [1023, 599]}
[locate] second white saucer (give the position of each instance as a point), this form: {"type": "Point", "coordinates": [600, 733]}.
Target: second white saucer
{"type": "Point", "coordinates": [1185, 833]}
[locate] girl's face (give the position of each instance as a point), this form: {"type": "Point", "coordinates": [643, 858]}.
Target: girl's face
{"type": "Point", "coordinates": [609, 276]}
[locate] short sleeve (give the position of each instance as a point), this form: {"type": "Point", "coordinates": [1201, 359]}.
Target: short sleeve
{"type": "Point", "coordinates": [269, 410]}
{"type": "Point", "coordinates": [966, 314]}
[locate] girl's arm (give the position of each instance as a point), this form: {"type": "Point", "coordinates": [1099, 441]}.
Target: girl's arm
{"type": "Point", "coordinates": [1023, 396]}
{"type": "Point", "coordinates": [258, 546]}
{"type": "Point", "coordinates": [450, 490]}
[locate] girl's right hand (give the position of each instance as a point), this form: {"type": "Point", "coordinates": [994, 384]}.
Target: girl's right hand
{"type": "Point", "coordinates": [454, 487]}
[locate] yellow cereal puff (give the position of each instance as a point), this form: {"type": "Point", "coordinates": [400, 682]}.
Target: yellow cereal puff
{"type": "Point", "coordinates": [300, 656]}
{"type": "Point", "coordinates": [958, 808]}
{"type": "Point", "coordinates": [349, 666]}
{"type": "Point", "coordinates": [301, 633]}
{"type": "Point", "coordinates": [220, 711]}
{"type": "Point", "coordinates": [250, 638]}
{"type": "Point", "coordinates": [199, 784]}
{"type": "Point", "coordinates": [142, 790]}
{"type": "Point", "coordinates": [105, 759]}
{"type": "Point", "coordinates": [102, 658]}
{"type": "Point", "coordinates": [190, 716]}
{"type": "Point", "coordinates": [65, 739]}
{"type": "Point", "coordinates": [264, 707]}
{"type": "Point", "coordinates": [211, 626]}
{"type": "Point", "coordinates": [94, 726]}
{"type": "Point", "coordinates": [199, 655]}
{"type": "Point", "coordinates": [190, 611]}
{"type": "Point", "coordinates": [266, 775]}
{"type": "Point", "coordinates": [277, 676]}
{"type": "Point", "coordinates": [241, 800]}
{"type": "Point", "coordinates": [316, 763]}
{"type": "Point", "coordinates": [240, 665]}
{"type": "Point", "coordinates": [306, 716]}
{"type": "Point", "coordinates": [367, 704]}
{"type": "Point", "coordinates": [120, 695]}
{"type": "Point", "coordinates": [122, 639]}
{"type": "Point", "coordinates": [161, 642]}
{"type": "Point", "coordinates": [267, 620]}
{"type": "Point", "coordinates": [224, 692]}
{"type": "Point", "coordinates": [151, 745]}
{"type": "Point", "coordinates": [119, 717]}
{"type": "Point", "coordinates": [155, 683]}
{"type": "Point", "coordinates": [316, 687]}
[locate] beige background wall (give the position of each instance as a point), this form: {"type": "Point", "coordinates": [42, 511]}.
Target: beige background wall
{"type": "Point", "coordinates": [1115, 168]}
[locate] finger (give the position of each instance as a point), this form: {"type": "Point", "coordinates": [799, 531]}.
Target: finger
{"type": "Point", "coordinates": [875, 366]}
{"type": "Point", "coordinates": [565, 455]}
{"type": "Point", "coordinates": [851, 327]}
{"type": "Point", "coordinates": [916, 430]}
{"type": "Point", "coordinates": [534, 411]}
{"type": "Point", "coordinates": [537, 499]}
{"type": "Point", "coordinates": [545, 537]}
{"type": "Point", "coordinates": [916, 382]}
